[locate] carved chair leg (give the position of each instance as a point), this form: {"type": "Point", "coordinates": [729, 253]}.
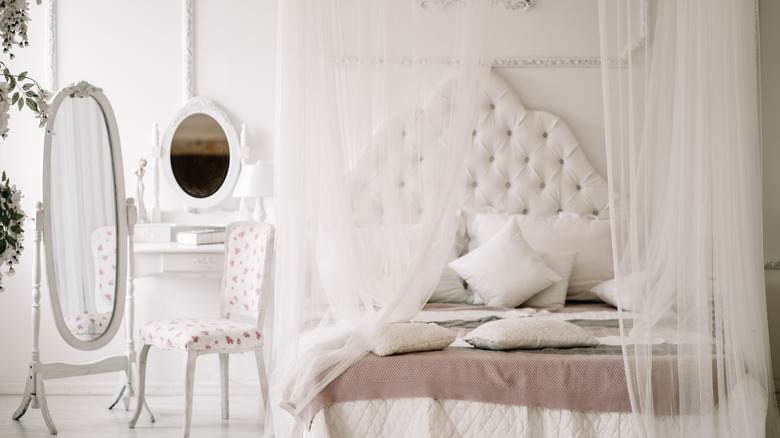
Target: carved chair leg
{"type": "Point", "coordinates": [141, 403]}
{"type": "Point", "coordinates": [188, 388]}
{"type": "Point", "coordinates": [224, 366]}
{"type": "Point", "coordinates": [263, 378]}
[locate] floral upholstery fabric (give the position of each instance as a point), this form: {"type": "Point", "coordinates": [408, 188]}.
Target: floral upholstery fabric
{"type": "Point", "coordinates": [104, 256]}
{"type": "Point", "coordinates": [245, 256]}
{"type": "Point", "coordinates": [87, 323]}
{"type": "Point", "coordinates": [201, 334]}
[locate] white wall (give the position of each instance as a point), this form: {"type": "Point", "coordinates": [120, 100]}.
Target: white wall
{"type": "Point", "coordinates": [133, 50]}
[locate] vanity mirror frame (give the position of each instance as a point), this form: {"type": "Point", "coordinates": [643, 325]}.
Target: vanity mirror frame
{"type": "Point", "coordinates": [84, 90]}
{"type": "Point", "coordinates": [202, 105]}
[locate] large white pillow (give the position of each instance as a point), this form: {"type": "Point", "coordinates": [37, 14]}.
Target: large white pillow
{"type": "Point", "coordinates": [554, 295]}
{"type": "Point", "coordinates": [591, 239]}
{"type": "Point", "coordinates": [505, 271]}
{"type": "Point", "coordinates": [409, 337]}
{"type": "Point", "coordinates": [625, 290]}
{"type": "Point", "coordinates": [529, 333]}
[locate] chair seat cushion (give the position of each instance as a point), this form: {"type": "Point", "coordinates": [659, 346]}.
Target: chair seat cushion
{"type": "Point", "coordinates": [201, 334]}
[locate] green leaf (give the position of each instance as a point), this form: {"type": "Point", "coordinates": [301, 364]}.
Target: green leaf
{"type": "Point", "coordinates": [27, 86]}
{"type": "Point", "coordinates": [33, 106]}
{"type": "Point", "coordinates": [15, 98]}
{"type": "Point", "coordinates": [11, 241]}
{"type": "Point", "coordinates": [31, 94]}
{"type": "Point", "coordinates": [17, 216]}
{"type": "Point", "coordinates": [21, 76]}
{"type": "Point", "coordinates": [3, 176]}
{"type": "Point", "coordinates": [12, 83]}
{"type": "Point", "coordinates": [3, 246]}
{"type": "Point", "coordinates": [7, 74]}
{"type": "Point", "coordinates": [17, 229]}
{"type": "Point", "coordinates": [20, 104]}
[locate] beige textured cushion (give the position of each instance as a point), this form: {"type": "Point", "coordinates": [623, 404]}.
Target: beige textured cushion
{"type": "Point", "coordinates": [529, 333]}
{"type": "Point", "coordinates": [408, 337]}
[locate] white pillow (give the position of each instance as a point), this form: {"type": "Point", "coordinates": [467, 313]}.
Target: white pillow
{"type": "Point", "coordinates": [591, 239]}
{"type": "Point", "coordinates": [554, 295]}
{"type": "Point", "coordinates": [505, 271]}
{"type": "Point", "coordinates": [529, 333]}
{"type": "Point", "coordinates": [408, 337]}
{"type": "Point", "coordinates": [609, 290]}
{"type": "Point", "coordinates": [450, 289]}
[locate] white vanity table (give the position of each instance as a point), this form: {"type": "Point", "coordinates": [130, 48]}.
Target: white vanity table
{"type": "Point", "coordinates": [156, 252]}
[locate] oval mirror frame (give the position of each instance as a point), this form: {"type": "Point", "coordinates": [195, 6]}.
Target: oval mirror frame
{"type": "Point", "coordinates": [85, 90]}
{"type": "Point", "coordinates": [201, 105]}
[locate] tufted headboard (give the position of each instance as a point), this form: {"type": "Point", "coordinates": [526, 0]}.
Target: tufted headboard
{"type": "Point", "coordinates": [522, 161]}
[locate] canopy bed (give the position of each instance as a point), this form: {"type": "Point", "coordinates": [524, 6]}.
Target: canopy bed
{"type": "Point", "coordinates": [383, 225]}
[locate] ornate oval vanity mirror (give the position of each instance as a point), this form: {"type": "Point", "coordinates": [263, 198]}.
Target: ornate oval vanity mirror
{"type": "Point", "coordinates": [83, 222]}
{"type": "Point", "coordinates": [201, 154]}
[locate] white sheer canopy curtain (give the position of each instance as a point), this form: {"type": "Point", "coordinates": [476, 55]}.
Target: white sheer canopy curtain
{"type": "Point", "coordinates": [367, 214]}
{"type": "Point", "coordinates": [684, 158]}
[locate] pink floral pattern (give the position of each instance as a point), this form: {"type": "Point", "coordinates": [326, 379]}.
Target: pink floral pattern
{"type": "Point", "coordinates": [201, 334]}
{"type": "Point", "coordinates": [104, 256]}
{"type": "Point", "coordinates": [243, 281]}
{"type": "Point", "coordinates": [87, 323]}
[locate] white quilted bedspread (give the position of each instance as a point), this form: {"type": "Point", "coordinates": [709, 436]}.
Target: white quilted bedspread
{"type": "Point", "coordinates": [425, 417]}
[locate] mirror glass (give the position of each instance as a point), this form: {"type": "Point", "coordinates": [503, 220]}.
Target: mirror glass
{"type": "Point", "coordinates": [82, 245]}
{"type": "Point", "coordinates": [200, 155]}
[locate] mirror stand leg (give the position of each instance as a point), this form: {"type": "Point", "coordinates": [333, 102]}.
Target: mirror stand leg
{"type": "Point", "coordinates": [29, 392]}
{"type": "Point", "coordinates": [41, 396]}
{"type": "Point", "coordinates": [122, 391]}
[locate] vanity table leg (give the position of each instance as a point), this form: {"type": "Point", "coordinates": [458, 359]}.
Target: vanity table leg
{"type": "Point", "coordinates": [41, 395]}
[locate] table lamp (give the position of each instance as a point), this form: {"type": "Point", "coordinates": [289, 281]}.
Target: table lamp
{"type": "Point", "coordinates": [255, 181]}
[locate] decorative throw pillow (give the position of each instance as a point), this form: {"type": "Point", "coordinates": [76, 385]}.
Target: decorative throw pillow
{"type": "Point", "coordinates": [591, 239]}
{"type": "Point", "coordinates": [609, 291]}
{"type": "Point", "coordinates": [528, 334]}
{"type": "Point", "coordinates": [505, 271]}
{"type": "Point", "coordinates": [554, 295]}
{"type": "Point", "coordinates": [408, 337]}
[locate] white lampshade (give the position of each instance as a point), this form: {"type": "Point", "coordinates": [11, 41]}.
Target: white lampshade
{"type": "Point", "coordinates": [255, 180]}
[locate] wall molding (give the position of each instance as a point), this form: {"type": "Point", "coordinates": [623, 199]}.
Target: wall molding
{"type": "Point", "coordinates": [50, 22]}
{"type": "Point", "coordinates": [188, 26]}
{"type": "Point", "coordinates": [508, 4]}
{"type": "Point", "coordinates": [772, 264]}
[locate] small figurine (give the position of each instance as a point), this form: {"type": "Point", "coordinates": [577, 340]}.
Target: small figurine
{"type": "Point", "coordinates": [143, 218]}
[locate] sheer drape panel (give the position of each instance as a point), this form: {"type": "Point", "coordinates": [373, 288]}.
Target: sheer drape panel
{"type": "Point", "coordinates": [367, 214]}
{"type": "Point", "coordinates": [681, 115]}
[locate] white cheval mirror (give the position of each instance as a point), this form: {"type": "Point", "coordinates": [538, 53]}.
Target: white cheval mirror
{"type": "Point", "coordinates": [200, 155]}
{"type": "Point", "coordinates": [83, 222]}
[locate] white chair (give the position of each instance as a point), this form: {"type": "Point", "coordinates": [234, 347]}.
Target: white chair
{"type": "Point", "coordinates": [245, 286]}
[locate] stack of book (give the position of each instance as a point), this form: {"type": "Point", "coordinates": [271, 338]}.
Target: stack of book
{"type": "Point", "coordinates": [201, 236]}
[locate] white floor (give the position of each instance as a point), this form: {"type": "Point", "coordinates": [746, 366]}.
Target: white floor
{"type": "Point", "coordinates": [86, 416]}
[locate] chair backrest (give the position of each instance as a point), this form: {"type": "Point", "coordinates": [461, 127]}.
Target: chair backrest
{"type": "Point", "coordinates": [103, 243]}
{"type": "Point", "coordinates": [247, 275]}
